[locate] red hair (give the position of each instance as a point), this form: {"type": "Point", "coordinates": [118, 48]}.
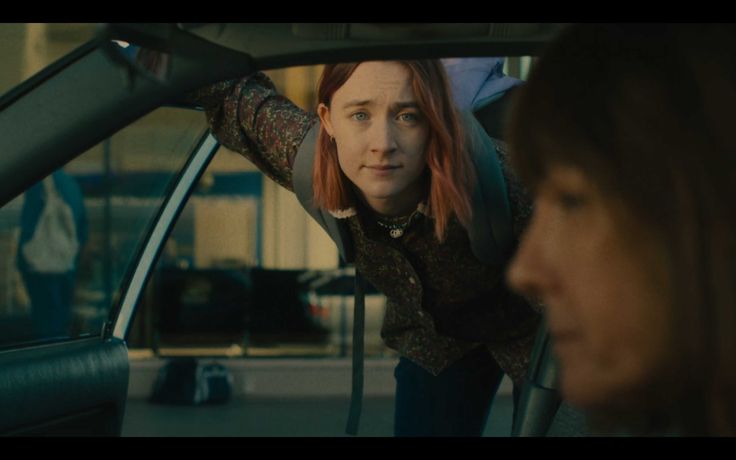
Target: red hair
{"type": "Point", "coordinates": [452, 175]}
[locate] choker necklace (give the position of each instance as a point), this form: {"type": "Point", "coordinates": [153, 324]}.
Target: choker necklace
{"type": "Point", "coordinates": [396, 226]}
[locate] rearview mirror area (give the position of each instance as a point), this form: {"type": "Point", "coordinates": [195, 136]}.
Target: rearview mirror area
{"type": "Point", "coordinates": [141, 61]}
{"type": "Point", "coordinates": [150, 62]}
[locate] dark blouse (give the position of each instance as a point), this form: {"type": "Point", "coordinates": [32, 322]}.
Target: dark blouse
{"type": "Point", "coordinates": [428, 284]}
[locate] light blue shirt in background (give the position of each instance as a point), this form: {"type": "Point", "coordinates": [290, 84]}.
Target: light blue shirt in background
{"type": "Point", "coordinates": [476, 82]}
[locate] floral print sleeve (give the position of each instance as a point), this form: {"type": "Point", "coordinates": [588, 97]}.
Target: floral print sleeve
{"type": "Point", "coordinates": [249, 117]}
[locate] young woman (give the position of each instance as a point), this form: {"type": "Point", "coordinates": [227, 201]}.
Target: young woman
{"type": "Point", "coordinates": [388, 157]}
{"type": "Point", "coordinates": [631, 246]}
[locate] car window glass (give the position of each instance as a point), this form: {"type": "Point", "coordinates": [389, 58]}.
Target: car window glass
{"type": "Point", "coordinates": [70, 240]}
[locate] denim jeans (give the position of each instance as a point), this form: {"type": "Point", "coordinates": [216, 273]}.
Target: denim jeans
{"type": "Point", "coordinates": [454, 403]}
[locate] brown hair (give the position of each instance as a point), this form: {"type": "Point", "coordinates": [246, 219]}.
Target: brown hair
{"type": "Point", "coordinates": [452, 174]}
{"type": "Point", "coordinates": [647, 112]}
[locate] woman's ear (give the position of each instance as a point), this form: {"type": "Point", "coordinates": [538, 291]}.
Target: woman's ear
{"type": "Point", "coordinates": [324, 117]}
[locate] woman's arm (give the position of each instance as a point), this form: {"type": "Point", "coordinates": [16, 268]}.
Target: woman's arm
{"type": "Point", "coordinates": [249, 117]}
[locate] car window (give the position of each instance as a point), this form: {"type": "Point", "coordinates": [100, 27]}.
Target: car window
{"type": "Point", "coordinates": [70, 239]}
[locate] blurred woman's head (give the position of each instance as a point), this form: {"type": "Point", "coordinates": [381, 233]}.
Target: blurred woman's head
{"type": "Point", "coordinates": [623, 134]}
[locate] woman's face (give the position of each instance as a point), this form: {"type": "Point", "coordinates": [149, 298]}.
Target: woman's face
{"type": "Point", "coordinates": [381, 135]}
{"type": "Point", "coordinates": [602, 283]}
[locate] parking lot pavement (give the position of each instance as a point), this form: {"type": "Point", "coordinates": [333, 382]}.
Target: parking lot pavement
{"type": "Point", "coordinates": [267, 417]}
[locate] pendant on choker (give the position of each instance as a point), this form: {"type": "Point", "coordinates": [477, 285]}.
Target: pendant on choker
{"type": "Point", "coordinates": [396, 229]}
{"type": "Point", "coordinates": [396, 232]}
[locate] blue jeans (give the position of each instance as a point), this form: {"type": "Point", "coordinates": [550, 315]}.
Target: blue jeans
{"type": "Point", "coordinates": [454, 403]}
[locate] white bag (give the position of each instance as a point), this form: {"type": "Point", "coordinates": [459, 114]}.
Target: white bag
{"type": "Point", "coordinates": [53, 247]}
